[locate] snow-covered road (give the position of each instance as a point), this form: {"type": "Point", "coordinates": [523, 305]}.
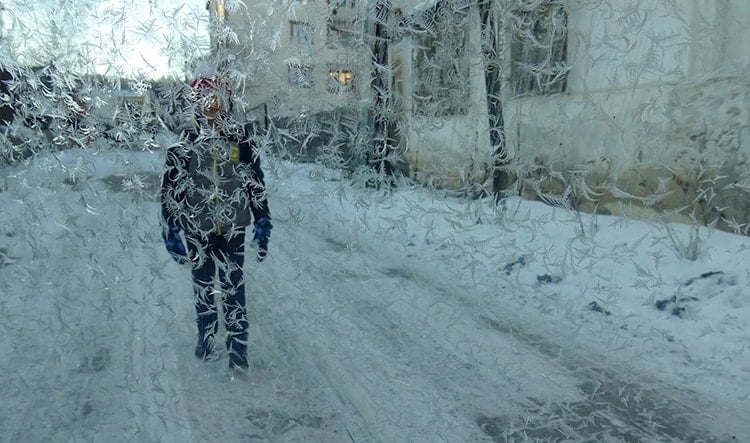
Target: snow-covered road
{"type": "Point", "coordinates": [426, 355]}
{"type": "Point", "coordinates": [361, 330]}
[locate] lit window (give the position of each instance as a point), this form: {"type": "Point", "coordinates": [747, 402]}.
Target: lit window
{"type": "Point", "coordinates": [219, 10]}
{"type": "Point", "coordinates": [340, 80]}
{"type": "Point", "coordinates": [342, 77]}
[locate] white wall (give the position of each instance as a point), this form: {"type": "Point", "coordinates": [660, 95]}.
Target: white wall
{"type": "Point", "coordinates": [447, 151]}
{"type": "Point", "coordinates": [657, 90]}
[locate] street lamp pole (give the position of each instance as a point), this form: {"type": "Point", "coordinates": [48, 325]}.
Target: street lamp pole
{"type": "Point", "coordinates": [382, 149]}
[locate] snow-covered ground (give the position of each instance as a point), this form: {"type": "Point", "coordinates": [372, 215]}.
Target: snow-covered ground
{"type": "Point", "coordinates": [390, 317]}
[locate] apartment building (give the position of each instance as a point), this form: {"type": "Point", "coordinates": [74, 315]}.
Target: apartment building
{"type": "Point", "coordinates": [597, 105]}
{"type": "Point", "coordinates": [294, 57]}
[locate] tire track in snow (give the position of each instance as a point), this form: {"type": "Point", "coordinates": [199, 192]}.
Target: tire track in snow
{"type": "Point", "coordinates": [600, 401]}
{"type": "Point", "coordinates": [364, 361]}
{"type": "Point", "coordinates": [616, 404]}
{"type": "Point", "coordinates": [87, 363]}
{"type": "Point", "coordinates": [281, 398]}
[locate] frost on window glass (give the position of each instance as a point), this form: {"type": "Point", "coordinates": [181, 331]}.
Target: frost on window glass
{"type": "Point", "coordinates": [539, 48]}
{"type": "Point", "coordinates": [374, 220]}
{"type": "Point", "coordinates": [442, 64]}
{"type": "Point", "coordinates": [300, 75]}
{"type": "Point", "coordinates": [301, 32]}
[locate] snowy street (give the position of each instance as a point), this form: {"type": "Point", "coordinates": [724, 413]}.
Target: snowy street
{"type": "Point", "coordinates": [491, 221]}
{"type": "Point", "coordinates": [386, 318]}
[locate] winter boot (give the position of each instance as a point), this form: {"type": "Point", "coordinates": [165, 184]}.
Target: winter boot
{"type": "Point", "coordinates": [237, 348]}
{"type": "Point", "coordinates": [205, 348]}
{"type": "Point", "coordinates": [206, 333]}
{"type": "Point", "coordinates": [238, 362]}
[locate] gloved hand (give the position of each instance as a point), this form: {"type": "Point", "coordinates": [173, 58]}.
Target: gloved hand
{"type": "Point", "coordinates": [175, 246]}
{"type": "Point", "coordinates": [263, 228]}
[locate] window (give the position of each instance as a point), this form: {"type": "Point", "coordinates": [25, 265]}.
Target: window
{"type": "Point", "coordinates": [222, 35]}
{"type": "Point", "coordinates": [441, 64]}
{"type": "Point", "coordinates": [539, 49]}
{"type": "Point", "coordinates": [301, 33]}
{"type": "Point", "coordinates": [300, 75]}
{"type": "Point", "coordinates": [342, 21]}
{"type": "Point", "coordinates": [340, 80]}
{"type": "Point", "coordinates": [340, 33]}
{"type": "Point", "coordinates": [333, 5]}
{"type": "Point", "coordinates": [219, 9]}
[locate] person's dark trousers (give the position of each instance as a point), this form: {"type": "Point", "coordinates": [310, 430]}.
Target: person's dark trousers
{"type": "Point", "coordinates": [225, 254]}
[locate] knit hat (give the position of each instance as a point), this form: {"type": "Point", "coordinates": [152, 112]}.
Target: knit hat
{"type": "Point", "coordinates": [208, 83]}
{"type": "Point", "coordinates": [211, 86]}
{"type": "Point", "coordinates": [210, 91]}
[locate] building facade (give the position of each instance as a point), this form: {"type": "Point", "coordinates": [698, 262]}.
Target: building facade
{"type": "Point", "coordinates": [608, 106]}
{"type": "Point", "coordinates": [653, 113]}
{"type": "Point", "coordinates": [293, 57]}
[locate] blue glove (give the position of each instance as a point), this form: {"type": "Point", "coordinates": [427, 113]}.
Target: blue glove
{"type": "Point", "coordinates": [175, 246]}
{"type": "Point", "coordinates": [262, 234]}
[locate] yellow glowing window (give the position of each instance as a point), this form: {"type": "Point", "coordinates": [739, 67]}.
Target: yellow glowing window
{"type": "Point", "coordinates": [220, 12]}
{"type": "Point", "coordinates": [343, 77]}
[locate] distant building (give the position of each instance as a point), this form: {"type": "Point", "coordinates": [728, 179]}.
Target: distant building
{"type": "Point", "coordinates": [293, 56]}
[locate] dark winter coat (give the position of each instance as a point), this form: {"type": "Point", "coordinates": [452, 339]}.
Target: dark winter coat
{"type": "Point", "coordinates": [213, 182]}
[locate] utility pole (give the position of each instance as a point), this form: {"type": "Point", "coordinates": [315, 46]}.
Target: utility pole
{"type": "Point", "coordinates": [493, 80]}
{"type": "Point", "coordinates": [379, 157]}
{"type": "Point", "coordinates": [6, 108]}
{"type": "Point", "coordinates": [2, 20]}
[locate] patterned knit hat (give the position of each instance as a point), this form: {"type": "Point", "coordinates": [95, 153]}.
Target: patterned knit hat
{"type": "Point", "coordinates": [208, 83]}
{"type": "Point", "coordinates": [211, 86]}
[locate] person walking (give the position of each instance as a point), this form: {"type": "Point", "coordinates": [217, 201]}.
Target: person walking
{"type": "Point", "coordinates": [212, 190]}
